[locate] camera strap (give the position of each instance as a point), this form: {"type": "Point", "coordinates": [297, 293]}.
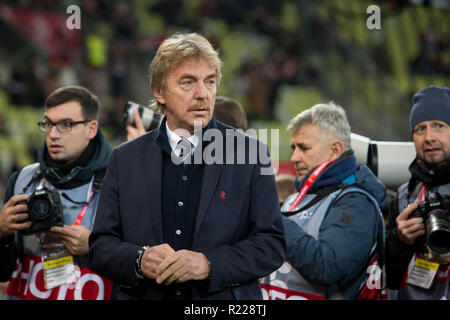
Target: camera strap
{"type": "Point", "coordinates": [422, 193]}
{"type": "Point", "coordinates": [85, 204]}
{"type": "Point", "coordinates": [35, 176]}
{"type": "Point", "coordinates": [41, 182]}
{"type": "Point", "coordinates": [80, 216]}
{"type": "Point", "coordinates": [313, 176]}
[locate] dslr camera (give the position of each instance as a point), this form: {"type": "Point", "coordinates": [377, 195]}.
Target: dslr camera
{"type": "Point", "coordinates": [44, 211]}
{"type": "Point", "coordinates": [150, 119]}
{"type": "Point", "coordinates": [435, 211]}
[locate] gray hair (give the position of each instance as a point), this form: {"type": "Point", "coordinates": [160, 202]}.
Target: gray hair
{"type": "Point", "coordinates": [173, 52]}
{"type": "Point", "coordinates": [328, 117]}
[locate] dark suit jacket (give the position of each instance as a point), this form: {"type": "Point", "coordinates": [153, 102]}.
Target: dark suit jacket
{"type": "Point", "coordinates": [238, 224]}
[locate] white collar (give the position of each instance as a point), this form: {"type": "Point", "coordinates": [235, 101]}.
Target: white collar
{"type": "Point", "coordinates": [174, 139]}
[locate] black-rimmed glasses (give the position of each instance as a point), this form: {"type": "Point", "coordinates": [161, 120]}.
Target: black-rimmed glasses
{"type": "Point", "coordinates": [63, 126]}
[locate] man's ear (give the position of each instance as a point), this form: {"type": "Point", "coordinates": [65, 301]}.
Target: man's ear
{"type": "Point", "coordinates": [159, 96]}
{"type": "Point", "coordinates": [336, 148]}
{"type": "Point", "coordinates": [93, 128]}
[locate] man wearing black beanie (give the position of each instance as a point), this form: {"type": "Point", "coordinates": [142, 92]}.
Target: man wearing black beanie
{"type": "Point", "coordinates": [417, 266]}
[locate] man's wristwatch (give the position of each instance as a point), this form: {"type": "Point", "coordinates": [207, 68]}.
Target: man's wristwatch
{"type": "Point", "coordinates": [137, 263]}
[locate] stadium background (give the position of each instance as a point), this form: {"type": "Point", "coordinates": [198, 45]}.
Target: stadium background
{"type": "Point", "coordinates": [280, 57]}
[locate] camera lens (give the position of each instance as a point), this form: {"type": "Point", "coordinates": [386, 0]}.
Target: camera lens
{"type": "Point", "coordinates": [438, 241]}
{"type": "Point", "coordinates": [150, 120]}
{"type": "Point", "coordinates": [128, 116]}
{"type": "Point", "coordinates": [40, 208]}
{"type": "Point", "coordinates": [438, 231]}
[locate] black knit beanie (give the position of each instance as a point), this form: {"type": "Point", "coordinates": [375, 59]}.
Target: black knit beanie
{"type": "Point", "coordinates": [432, 103]}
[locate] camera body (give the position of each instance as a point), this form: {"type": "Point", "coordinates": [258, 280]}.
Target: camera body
{"type": "Point", "coordinates": [150, 119]}
{"type": "Point", "coordinates": [44, 211]}
{"type": "Point", "coordinates": [435, 211]}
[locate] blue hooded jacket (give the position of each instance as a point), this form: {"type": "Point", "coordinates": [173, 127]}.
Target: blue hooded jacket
{"type": "Point", "coordinates": [347, 234]}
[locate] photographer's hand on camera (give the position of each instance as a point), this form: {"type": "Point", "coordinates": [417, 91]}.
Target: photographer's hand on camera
{"type": "Point", "coordinates": [439, 258]}
{"type": "Point", "coordinates": [75, 237]}
{"type": "Point", "coordinates": [134, 132]}
{"type": "Point", "coordinates": [408, 229]}
{"type": "Point", "coordinates": [13, 214]}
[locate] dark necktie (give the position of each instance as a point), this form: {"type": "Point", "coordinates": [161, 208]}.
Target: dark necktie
{"type": "Point", "coordinates": [186, 149]}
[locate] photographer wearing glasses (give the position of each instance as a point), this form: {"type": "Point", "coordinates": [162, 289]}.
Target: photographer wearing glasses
{"type": "Point", "coordinates": [417, 248]}
{"type": "Point", "coordinates": [50, 205]}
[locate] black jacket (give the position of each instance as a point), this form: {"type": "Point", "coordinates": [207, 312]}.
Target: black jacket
{"type": "Point", "coordinates": [398, 253]}
{"type": "Point", "coordinates": [238, 225]}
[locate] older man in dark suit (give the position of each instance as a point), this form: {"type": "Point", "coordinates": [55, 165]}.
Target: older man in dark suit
{"type": "Point", "coordinates": [183, 213]}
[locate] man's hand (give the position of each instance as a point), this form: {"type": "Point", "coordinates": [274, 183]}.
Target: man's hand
{"type": "Point", "coordinates": [12, 216]}
{"type": "Point", "coordinates": [439, 258]}
{"type": "Point", "coordinates": [76, 238]}
{"type": "Point", "coordinates": [153, 257]}
{"type": "Point", "coordinates": [139, 130]}
{"type": "Point", "coordinates": [409, 229]}
{"type": "Point", "coordinates": [182, 266]}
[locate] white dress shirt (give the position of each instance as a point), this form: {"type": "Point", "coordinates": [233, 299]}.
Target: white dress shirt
{"type": "Point", "coordinates": [174, 139]}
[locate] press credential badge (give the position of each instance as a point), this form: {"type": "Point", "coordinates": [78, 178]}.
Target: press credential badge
{"type": "Point", "coordinates": [423, 273]}
{"type": "Point", "coordinates": [57, 261]}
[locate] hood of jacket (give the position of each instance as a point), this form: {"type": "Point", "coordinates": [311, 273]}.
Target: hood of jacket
{"type": "Point", "coordinates": [78, 175]}
{"type": "Point", "coordinates": [366, 180]}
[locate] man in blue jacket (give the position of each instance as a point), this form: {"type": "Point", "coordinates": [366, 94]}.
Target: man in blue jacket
{"type": "Point", "coordinates": [169, 226]}
{"type": "Point", "coordinates": [332, 223]}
